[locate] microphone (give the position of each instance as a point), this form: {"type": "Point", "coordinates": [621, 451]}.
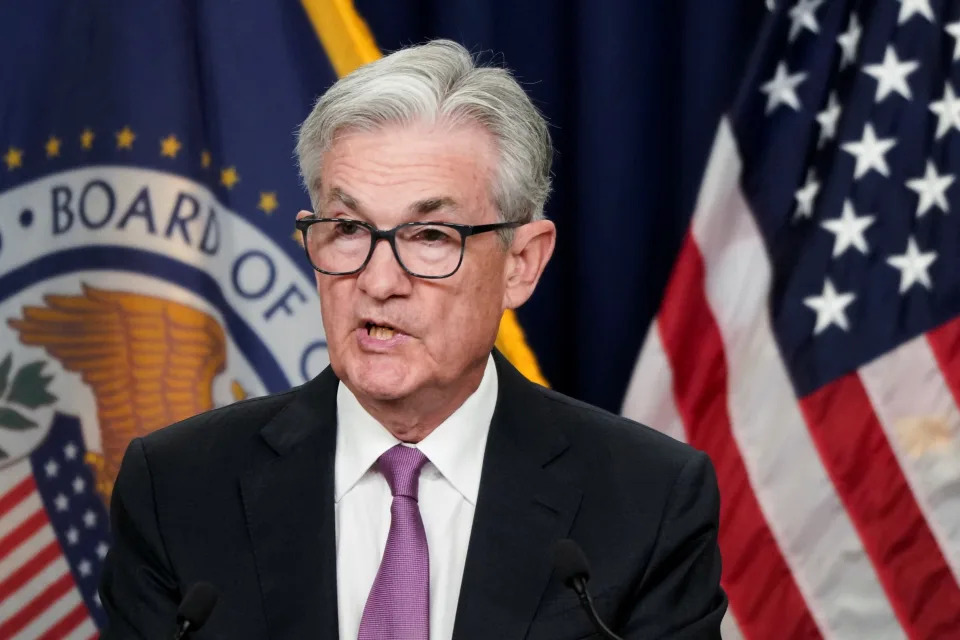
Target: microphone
{"type": "Point", "coordinates": [195, 608]}
{"type": "Point", "coordinates": [570, 565]}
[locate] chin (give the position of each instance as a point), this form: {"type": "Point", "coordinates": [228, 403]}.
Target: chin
{"type": "Point", "coordinates": [381, 378]}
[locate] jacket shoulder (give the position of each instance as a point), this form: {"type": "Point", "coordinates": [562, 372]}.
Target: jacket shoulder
{"type": "Point", "coordinates": [218, 432]}
{"type": "Point", "coordinates": [622, 438]}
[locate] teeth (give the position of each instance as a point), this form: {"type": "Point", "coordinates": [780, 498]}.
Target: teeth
{"type": "Point", "coordinates": [381, 333]}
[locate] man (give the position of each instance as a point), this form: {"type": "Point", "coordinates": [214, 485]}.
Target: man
{"type": "Point", "coordinates": [416, 488]}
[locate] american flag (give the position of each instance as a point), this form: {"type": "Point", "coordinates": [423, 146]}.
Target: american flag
{"type": "Point", "coordinates": [809, 338]}
{"type": "Point", "coordinates": [53, 539]}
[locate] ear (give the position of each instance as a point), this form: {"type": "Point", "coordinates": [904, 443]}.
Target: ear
{"type": "Point", "coordinates": [527, 257]}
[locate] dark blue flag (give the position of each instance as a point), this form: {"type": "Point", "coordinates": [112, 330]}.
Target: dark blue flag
{"type": "Point", "coordinates": [148, 269]}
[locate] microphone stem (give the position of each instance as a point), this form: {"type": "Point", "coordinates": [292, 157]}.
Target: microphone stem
{"type": "Point", "coordinates": [182, 630]}
{"type": "Point", "coordinates": [580, 586]}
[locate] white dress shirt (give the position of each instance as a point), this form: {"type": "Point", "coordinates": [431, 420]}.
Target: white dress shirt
{"type": "Point", "coordinates": [449, 484]}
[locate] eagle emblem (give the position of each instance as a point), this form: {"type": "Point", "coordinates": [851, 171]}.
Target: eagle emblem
{"type": "Point", "coordinates": [149, 361]}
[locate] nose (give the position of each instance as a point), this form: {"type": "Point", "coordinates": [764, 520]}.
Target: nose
{"type": "Point", "coordinates": [383, 276]}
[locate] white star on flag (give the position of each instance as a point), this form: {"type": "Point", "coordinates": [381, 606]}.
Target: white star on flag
{"type": "Point", "coordinates": [849, 40]}
{"type": "Point", "coordinates": [891, 75]}
{"type": "Point", "coordinates": [909, 8]}
{"type": "Point", "coordinates": [73, 536]}
{"type": "Point", "coordinates": [90, 519]}
{"type": "Point", "coordinates": [947, 110]}
{"type": "Point", "coordinates": [61, 502]}
{"type": "Point", "coordinates": [913, 266]}
{"type": "Point", "coordinates": [51, 468]}
{"type": "Point", "coordinates": [848, 230]}
{"type": "Point", "coordinates": [954, 30]}
{"type": "Point", "coordinates": [869, 152]}
{"type": "Point", "coordinates": [803, 16]}
{"type": "Point", "coordinates": [85, 568]}
{"type": "Point", "coordinates": [102, 550]}
{"type": "Point", "coordinates": [782, 88]}
{"type": "Point", "coordinates": [830, 308]}
{"type": "Point", "coordinates": [932, 189]}
{"type": "Point", "coordinates": [79, 485]}
{"type": "Point", "coordinates": [70, 451]}
{"type": "Point", "coordinates": [828, 119]}
{"type": "Point", "coordinates": [806, 195]}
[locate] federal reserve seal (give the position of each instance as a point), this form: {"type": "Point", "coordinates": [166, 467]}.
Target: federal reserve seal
{"type": "Point", "coordinates": [131, 299]}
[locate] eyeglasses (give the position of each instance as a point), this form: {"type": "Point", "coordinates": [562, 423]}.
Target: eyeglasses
{"type": "Point", "coordinates": [432, 250]}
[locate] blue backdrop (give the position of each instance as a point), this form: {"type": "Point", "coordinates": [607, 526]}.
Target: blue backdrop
{"type": "Point", "coordinates": [633, 90]}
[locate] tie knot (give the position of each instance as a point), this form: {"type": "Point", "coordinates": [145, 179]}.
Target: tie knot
{"type": "Point", "coordinates": [401, 466]}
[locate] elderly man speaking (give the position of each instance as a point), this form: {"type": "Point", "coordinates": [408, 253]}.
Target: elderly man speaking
{"type": "Point", "coordinates": [419, 486]}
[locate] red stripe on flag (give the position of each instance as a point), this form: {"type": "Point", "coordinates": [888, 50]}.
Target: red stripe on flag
{"type": "Point", "coordinates": [16, 495]}
{"type": "Point", "coordinates": [772, 607]}
{"type": "Point", "coordinates": [864, 469]}
{"type": "Point", "coordinates": [27, 570]}
{"type": "Point", "coordinates": [23, 531]}
{"type": "Point", "coordinates": [945, 344]}
{"type": "Point", "coordinates": [35, 607]}
{"type": "Point", "coordinates": [66, 624]}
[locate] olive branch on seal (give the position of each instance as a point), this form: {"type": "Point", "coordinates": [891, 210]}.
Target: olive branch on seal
{"type": "Point", "coordinates": [28, 389]}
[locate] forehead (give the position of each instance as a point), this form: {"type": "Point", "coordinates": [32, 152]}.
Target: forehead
{"type": "Point", "coordinates": [405, 163]}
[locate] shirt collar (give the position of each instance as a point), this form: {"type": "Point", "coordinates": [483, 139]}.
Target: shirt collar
{"type": "Point", "coordinates": [455, 448]}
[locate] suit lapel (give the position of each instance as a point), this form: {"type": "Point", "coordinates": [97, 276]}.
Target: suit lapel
{"type": "Point", "coordinates": [521, 510]}
{"type": "Point", "coordinates": [288, 498]}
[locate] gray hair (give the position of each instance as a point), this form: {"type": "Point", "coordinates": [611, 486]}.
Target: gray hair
{"type": "Point", "coordinates": [438, 81]}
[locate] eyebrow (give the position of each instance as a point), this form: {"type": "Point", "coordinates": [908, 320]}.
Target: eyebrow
{"type": "Point", "coordinates": [429, 205]}
{"type": "Point", "coordinates": [420, 207]}
{"type": "Point", "coordinates": [338, 195]}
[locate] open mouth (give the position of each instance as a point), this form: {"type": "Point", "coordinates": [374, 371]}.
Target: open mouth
{"type": "Point", "coordinates": [379, 331]}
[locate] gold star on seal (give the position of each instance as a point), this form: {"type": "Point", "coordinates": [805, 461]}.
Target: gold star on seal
{"type": "Point", "coordinates": [169, 146]}
{"type": "Point", "coordinates": [229, 177]}
{"type": "Point", "coordinates": [13, 158]}
{"type": "Point", "coordinates": [206, 159]}
{"type": "Point", "coordinates": [86, 139]}
{"type": "Point", "coordinates": [268, 202]}
{"type": "Point", "coordinates": [125, 138]}
{"type": "Point", "coordinates": [53, 147]}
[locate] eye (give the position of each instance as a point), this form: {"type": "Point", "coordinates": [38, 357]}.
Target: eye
{"type": "Point", "coordinates": [348, 228]}
{"type": "Point", "coordinates": [431, 234]}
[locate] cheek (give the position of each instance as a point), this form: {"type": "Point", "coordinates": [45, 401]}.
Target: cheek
{"type": "Point", "coordinates": [335, 306]}
{"type": "Point", "coordinates": [470, 314]}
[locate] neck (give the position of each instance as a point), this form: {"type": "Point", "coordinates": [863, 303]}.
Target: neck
{"type": "Point", "coordinates": [413, 418]}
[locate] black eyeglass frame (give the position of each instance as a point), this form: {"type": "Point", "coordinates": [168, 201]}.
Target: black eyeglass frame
{"type": "Point", "coordinates": [390, 235]}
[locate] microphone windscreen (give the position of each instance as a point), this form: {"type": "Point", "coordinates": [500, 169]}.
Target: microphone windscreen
{"type": "Point", "coordinates": [198, 604]}
{"type": "Point", "coordinates": [569, 561]}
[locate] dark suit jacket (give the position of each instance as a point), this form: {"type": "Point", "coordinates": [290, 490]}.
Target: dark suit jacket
{"type": "Point", "coordinates": [242, 497]}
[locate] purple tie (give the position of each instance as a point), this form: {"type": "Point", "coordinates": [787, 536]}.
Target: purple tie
{"type": "Point", "coordinates": [398, 607]}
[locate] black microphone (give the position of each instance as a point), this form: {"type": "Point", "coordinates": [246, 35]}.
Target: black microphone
{"type": "Point", "coordinates": [570, 565]}
{"type": "Point", "coordinates": [195, 608]}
